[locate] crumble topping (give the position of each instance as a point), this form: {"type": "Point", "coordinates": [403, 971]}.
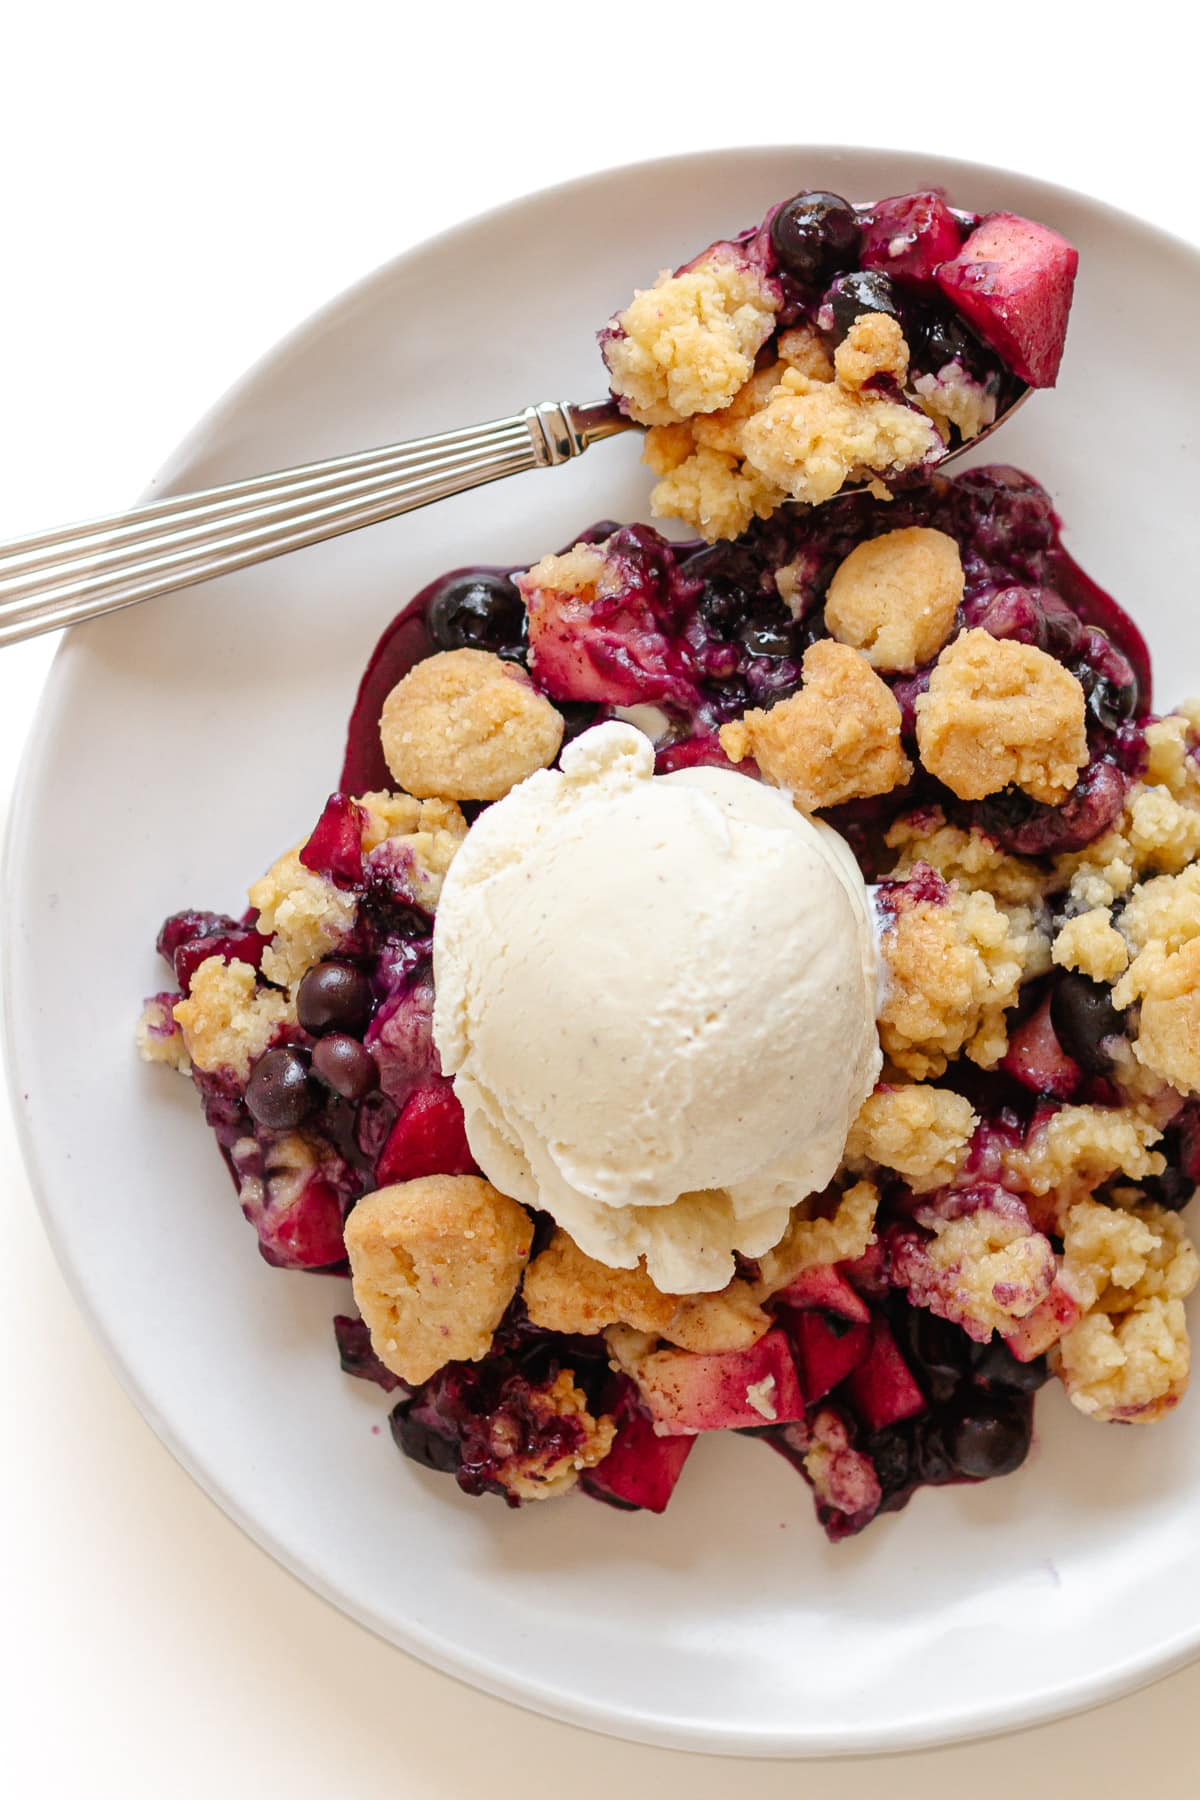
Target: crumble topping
{"type": "Point", "coordinates": [984, 1268]}
{"type": "Point", "coordinates": [953, 397]}
{"type": "Point", "coordinates": [227, 1019]}
{"type": "Point", "coordinates": [894, 597]}
{"type": "Point", "coordinates": [434, 1263]}
{"type": "Point", "coordinates": [1128, 1357]}
{"type": "Point", "coordinates": [813, 436]}
{"type": "Point", "coordinates": [873, 346]}
{"type": "Point", "coordinates": [954, 969]}
{"type": "Point", "coordinates": [968, 858]}
{"type": "Point", "coordinates": [843, 1478]}
{"type": "Point", "coordinates": [465, 725]}
{"type": "Point", "coordinates": [730, 1319]}
{"type": "Point", "coordinates": [999, 713]}
{"type": "Point", "coordinates": [811, 1240]}
{"type": "Point", "coordinates": [303, 913]}
{"type": "Point", "coordinates": [158, 1037]}
{"type": "Point", "coordinates": [1156, 833]}
{"type": "Point", "coordinates": [1076, 1148]}
{"type": "Point", "coordinates": [919, 1132]}
{"type": "Point", "coordinates": [1091, 943]}
{"type": "Point", "coordinates": [1167, 982]}
{"type": "Point", "coordinates": [566, 1290]}
{"type": "Point", "coordinates": [837, 739]}
{"type": "Point", "coordinates": [539, 1474]}
{"type": "Point", "coordinates": [703, 475]}
{"type": "Point", "coordinates": [688, 343]}
{"type": "Point", "coordinates": [583, 572]}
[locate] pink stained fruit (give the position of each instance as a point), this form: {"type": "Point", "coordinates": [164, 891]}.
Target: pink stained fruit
{"type": "Point", "coordinates": [882, 1390]}
{"type": "Point", "coordinates": [429, 1138]}
{"type": "Point", "coordinates": [826, 1356]}
{"type": "Point", "coordinates": [909, 237]}
{"type": "Point", "coordinates": [824, 1286]}
{"type": "Point", "coordinates": [726, 1391]}
{"type": "Point", "coordinates": [1013, 280]}
{"type": "Point", "coordinates": [641, 1469]}
{"type": "Point", "coordinates": [1038, 1061]}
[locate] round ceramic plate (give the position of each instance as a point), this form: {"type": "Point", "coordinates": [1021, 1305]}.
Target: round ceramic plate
{"type": "Point", "coordinates": [181, 745]}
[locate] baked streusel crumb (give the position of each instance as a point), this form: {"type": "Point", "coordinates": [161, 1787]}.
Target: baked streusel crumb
{"type": "Point", "coordinates": [466, 725]}
{"type": "Point", "coordinates": [303, 913]}
{"type": "Point", "coordinates": [434, 1264]}
{"type": "Point", "coordinates": [227, 1019]}
{"type": "Point", "coordinates": [894, 597]}
{"type": "Point", "coordinates": [837, 739]}
{"type": "Point", "coordinates": [953, 969]}
{"type": "Point", "coordinates": [1002, 714]}
{"type": "Point", "coordinates": [917, 1131]}
{"type": "Point", "coordinates": [688, 343]}
{"type": "Point", "coordinates": [812, 437]}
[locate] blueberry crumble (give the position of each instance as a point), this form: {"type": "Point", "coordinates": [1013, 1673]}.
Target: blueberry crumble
{"type": "Point", "coordinates": [531, 1035]}
{"type": "Point", "coordinates": [831, 345]}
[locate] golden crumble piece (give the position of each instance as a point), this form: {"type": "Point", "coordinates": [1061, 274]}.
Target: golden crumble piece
{"type": "Point", "coordinates": [688, 343]}
{"type": "Point", "coordinates": [713, 490]}
{"type": "Point", "coordinates": [1130, 1271]}
{"type": "Point", "coordinates": [429, 834]}
{"type": "Point", "coordinates": [1156, 834]}
{"type": "Point", "coordinates": [1164, 911]}
{"type": "Point", "coordinates": [1170, 762]}
{"type": "Point", "coordinates": [434, 1263]}
{"type": "Point", "coordinates": [1167, 982]}
{"type": "Point", "coordinates": [730, 1319]}
{"type": "Point", "coordinates": [583, 572]}
{"type": "Point", "coordinates": [703, 478]}
{"type": "Point", "coordinates": [894, 597]}
{"type": "Point", "coordinates": [810, 1239]}
{"type": "Point", "coordinates": [994, 1268]}
{"type": "Point", "coordinates": [1000, 714]}
{"type": "Point", "coordinates": [920, 1132]}
{"type": "Point", "coordinates": [566, 1290]}
{"type": "Point", "coordinates": [1091, 943]}
{"type": "Point", "coordinates": [539, 1473]}
{"type": "Point", "coordinates": [952, 971]}
{"type": "Point", "coordinates": [303, 913]}
{"type": "Point", "coordinates": [952, 397]}
{"type": "Point", "coordinates": [969, 858]}
{"type": "Point", "coordinates": [465, 725]}
{"type": "Point", "coordinates": [1078, 1147]}
{"type": "Point", "coordinates": [813, 436]}
{"type": "Point", "coordinates": [837, 739]}
{"type": "Point", "coordinates": [158, 1037]}
{"type": "Point", "coordinates": [802, 348]}
{"type": "Point", "coordinates": [873, 346]}
{"type": "Point", "coordinates": [227, 1019]}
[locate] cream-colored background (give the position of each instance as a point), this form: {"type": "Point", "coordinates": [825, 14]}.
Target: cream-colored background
{"type": "Point", "coordinates": [181, 186]}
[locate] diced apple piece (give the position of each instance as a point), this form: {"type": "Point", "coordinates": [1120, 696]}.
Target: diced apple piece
{"type": "Point", "coordinates": [641, 1469]}
{"type": "Point", "coordinates": [726, 1391]}
{"type": "Point", "coordinates": [1038, 1061]}
{"type": "Point", "coordinates": [823, 1285]}
{"type": "Point", "coordinates": [825, 1356]}
{"type": "Point", "coordinates": [335, 847]}
{"type": "Point", "coordinates": [909, 237]}
{"type": "Point", "coordinates": [1033, 1335]}
{"type": "Point", "coordinates": [1013, 280]}
{"type": "Point", "coordinates": [882, 1389]}
{"type": "Point", "coordinates": [868, 1273]}
{"type": "Point", "coordinates": [429, 1138]}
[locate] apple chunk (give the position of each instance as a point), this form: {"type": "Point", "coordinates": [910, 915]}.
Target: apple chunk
{"type": "Point", "coordinates": [730, 1390]}
{"type": "Point", "coordinates": [1013, 280]}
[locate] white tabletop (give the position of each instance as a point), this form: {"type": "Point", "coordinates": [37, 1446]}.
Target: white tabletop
{"type": "Point", "coordinates": [181, 186]}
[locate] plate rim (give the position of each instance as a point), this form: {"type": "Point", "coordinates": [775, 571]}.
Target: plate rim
{"type": "Point", "coordinates": [1068, 1697]}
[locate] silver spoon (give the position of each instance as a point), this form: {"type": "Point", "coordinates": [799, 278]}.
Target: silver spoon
{"type": "Point", "coordinates": [79, 572]}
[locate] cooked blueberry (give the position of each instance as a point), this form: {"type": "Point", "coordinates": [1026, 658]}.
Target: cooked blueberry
{"type": "Point", "coordinates": [279, 1093]}
{"type": "Point", "coordinates": [1174, 1187]}
{"type": "Point", "coordinates": [1110, 705]}
{"type": "Point", "coordinates": [891, 1453]}
{"type": "Point", "coordinates": [345, 1065]}
{"type": "Point", "coordinates": [334, 996]}
{"type": "Point", "coordinates": [941, 339]}
{"type": "Point", "coordinates": [433, 1449]}
{"type": "Point", "coordinates": [866, 291]}
{"type": "Point", "coordinates": [815, 235]}
{"type": "Point", "coordinates": [995, 1366]}
{"type": "Point", "coordinates": [478, 611]}
{"type": "Point", "coordinates": [766, 637]}
{"type": "Point", "coordinates": [989, 1435]}
{"type": "Point", "coordinates": [934, 1461]}
{"type": "Point", "coordinates": [1083, 1016]}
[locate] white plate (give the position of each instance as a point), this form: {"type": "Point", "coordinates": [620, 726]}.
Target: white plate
{"type": "Point", "coordinates": [181, 745]}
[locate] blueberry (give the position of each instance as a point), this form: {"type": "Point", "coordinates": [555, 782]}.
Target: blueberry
{"type": "Point", "coordinates": [891, 1453]}
{"type": "Point", "coordinates": [1083, 1015]}
{"type": "Point", "coordinates": [995, 1366]}
{"type": "Point", "coordinates": [766, 637]}
{"type": "Point", "coordinates": [866, 291]}
{"type": "Point", "coordinates": [478, 611]}
{"type": "Point", "coordinates": [815, 235]}
{"type": "Point", "coordinates": [941, 339]}
{"type": "Point", "coordinates": [280, 1093]}
{"type": "Point", "coordinates": [989, 1435]}
{"type": "Point", "coordinates": [334, 996]}
{"type": "Point", "coordinates": [1110, 705]}
{"type": "Point", "coordinates": [942, 1349]}
{"type": "Point", "coordinates": [433, 1449]}
{"type": "Point", "coordinates": [934, 1462]}
{"type": "Point", "coordinates": [345, 1065]}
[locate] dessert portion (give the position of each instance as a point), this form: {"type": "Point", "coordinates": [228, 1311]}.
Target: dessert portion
{"type": "Point", "coordinates": [834, 345]}
{"type": "Point", "coordinates": [560, 1034]}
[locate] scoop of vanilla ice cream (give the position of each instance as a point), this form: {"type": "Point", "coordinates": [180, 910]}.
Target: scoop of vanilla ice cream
{"type": "Point", "coordinates": [656, 997]}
